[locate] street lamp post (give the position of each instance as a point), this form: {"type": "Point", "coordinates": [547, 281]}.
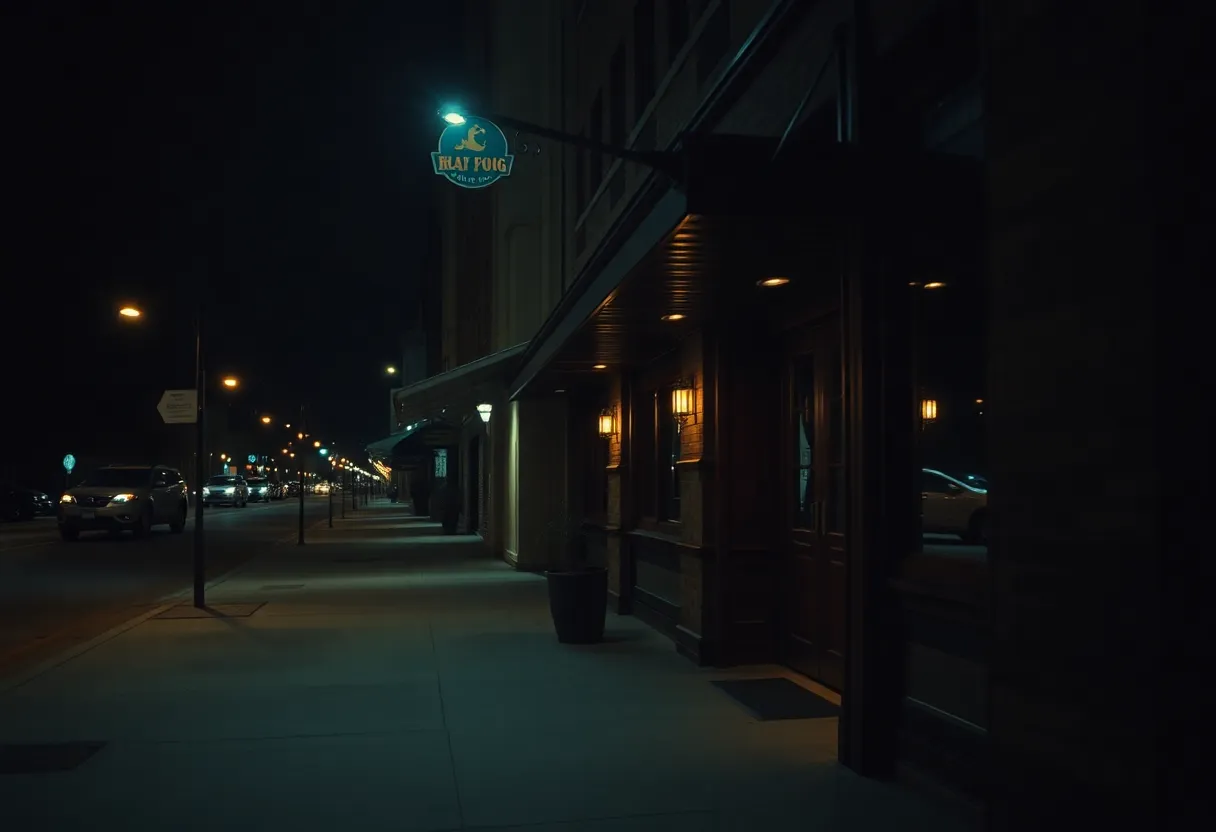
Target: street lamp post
{"type": "Point", "coordinates": [200, 457]}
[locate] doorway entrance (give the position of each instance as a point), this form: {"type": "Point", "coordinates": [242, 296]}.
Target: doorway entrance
{"type": "Point", "coordinates": [814, 603]}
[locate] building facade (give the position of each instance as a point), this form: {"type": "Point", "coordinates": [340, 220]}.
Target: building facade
{"type": "Point", "coordinates": [772, 368]}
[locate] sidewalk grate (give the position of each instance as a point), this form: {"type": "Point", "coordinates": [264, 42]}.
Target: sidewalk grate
{"type": "Point", "coordinates": [273, 587]}
{"type": "Point", "coordinates": [217, 611]}
{"type": "Point", "coordinates": [45, 758]}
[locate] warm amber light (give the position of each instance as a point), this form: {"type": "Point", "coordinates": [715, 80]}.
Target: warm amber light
{"type": "Point", "coordinates": [230, 382]}
{"type": "Point", "coordinates": [299, 436]}
{"type": "Point", "coordinates": [130, 312]}
{"type": "Point", "coordinates": [285, 451]}
{"type": "Point", "coordinates": [928, 409]}
{"type": "Point", "coordinates": [599, 367]}
{"type": "Point", "coordinates": [317, 444]}
{"type": "Point", "coordinates": [773, 281]}
{"type": "Point", "coordinates": [223, 457]}
{"type": "Point", "coordinates": [937, 284]}
{"type": "Point", "coordinates": [607, 423]}
{"type": "Point", "coordinates": [673, 317]}
{"type": "Point", "coordinates": [266, 420]}
{"type": "Point", "coordinates": [391, 370]}
{"type": "Point", "coordinates": [681, 401]}
{"type": "Point", "coordinates": [979, 401]}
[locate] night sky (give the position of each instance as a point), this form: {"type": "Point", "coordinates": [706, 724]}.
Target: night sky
{"type": "Point", "coordinates": [276, 153]}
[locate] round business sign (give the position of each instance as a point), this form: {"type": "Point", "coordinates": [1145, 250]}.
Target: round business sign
{"type": "Point", "coordinates": [252, 458]}
{"type": "Point", "coordinates": [69, 462]}
{"type": "Point", "coordinates": [473, 154]}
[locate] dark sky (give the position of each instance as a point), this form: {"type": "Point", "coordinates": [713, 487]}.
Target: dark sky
{"type": "Point", "coordinates": [274, 152]}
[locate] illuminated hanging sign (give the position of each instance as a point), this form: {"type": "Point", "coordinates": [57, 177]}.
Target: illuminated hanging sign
{"type": "Point", "coordinates": [473, 154]}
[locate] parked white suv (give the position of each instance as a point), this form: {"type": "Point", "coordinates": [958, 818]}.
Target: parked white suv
{"type": "Point", "coordinates": [125, 498]}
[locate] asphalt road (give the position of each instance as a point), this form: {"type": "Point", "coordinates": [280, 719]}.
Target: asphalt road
{"type": "Point", "coordinates": [55, 594]}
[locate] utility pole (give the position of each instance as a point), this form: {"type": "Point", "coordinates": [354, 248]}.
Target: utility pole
{"type": "Point", "coordinates": [303, 455]}
{"type": "Point", "coordinates": [329, 492]}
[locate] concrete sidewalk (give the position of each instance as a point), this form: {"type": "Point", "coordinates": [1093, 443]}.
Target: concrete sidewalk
{"type": "Point", "coordinates": [384, 676]}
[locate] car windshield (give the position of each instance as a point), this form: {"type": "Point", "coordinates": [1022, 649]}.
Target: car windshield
{"type": "Point", "coordinates": [222, 481]}
{"type": "Point", "coordinates": [119, 478]}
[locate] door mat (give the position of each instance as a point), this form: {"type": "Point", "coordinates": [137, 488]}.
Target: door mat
{"type": "Point", "coordinates": [216, 611]}
{"type": "Point", "coordinates": [777, 698]}
{"type": "Point", "coordinates": [44, 758]}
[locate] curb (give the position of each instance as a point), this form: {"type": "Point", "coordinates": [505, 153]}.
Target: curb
{"type": "Point", "coordinates": [164, 603]}
{"type": "Point", "coordinates": [12, 683]}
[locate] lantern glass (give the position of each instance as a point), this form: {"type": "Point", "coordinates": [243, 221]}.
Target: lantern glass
{"type": "Point", "coordinates": [607, 423]}
{"type": "Point", "coordinates": [928, 409]}
{"type": "Point", "coordinates": [681, 401]}
{"type": "Point", "coordinates": [484, 411]}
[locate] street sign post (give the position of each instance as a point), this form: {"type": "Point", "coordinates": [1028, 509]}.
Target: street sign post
{"type": "Point", "coordinates": [178, 407]}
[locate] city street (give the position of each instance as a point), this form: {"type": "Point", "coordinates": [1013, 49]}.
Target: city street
{"type": "Point", "coordinates": [55, 594]}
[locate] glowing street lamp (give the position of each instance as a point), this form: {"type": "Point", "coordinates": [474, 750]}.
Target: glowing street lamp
{"type": "Point", "coordinates": [130, 312]}
{"type": "Point", "coordinates": [231, 382]}
{"type": "Point", "coordinates": [266, 420]}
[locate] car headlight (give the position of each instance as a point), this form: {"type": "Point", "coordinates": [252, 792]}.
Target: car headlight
{"type": "Point", "coordinates": [67, 498]}
{"type": "Point", "coordinates": [123, 498]}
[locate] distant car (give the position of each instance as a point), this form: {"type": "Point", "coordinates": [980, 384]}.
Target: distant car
{"type": "Point", "coordinates": [17, 503]}
{"type": "Point", "coordinates": [259, 489]}
{"type": "Point", "coordinates": [954, 505]}
{"type": "Point", "coordinates": [293, 489]}
{"type": "Point", "coordinates": [125, 497]}
{"type": "Point", "coordinates": [226, 490]}
{"type": "Point", "coordinates": [276, 491]}
{"type": "Point", "coordinates": [321, 488]}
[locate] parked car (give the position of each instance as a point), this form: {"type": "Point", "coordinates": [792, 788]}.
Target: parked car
{"type": "Point", "coordinates": [119, 498]}
{"type": "Point", "coordinates": [226, 490]}
{"type": "Point", "coordinates": [954, 505]}
{"type": "Point", "coordinates": [17, 503]}
{"type": "Point", "coordinates": [293, 489]}
{"type": "Point", "coordinates": [276, 491]}
{"type": "Point", "coordinates": [259, 489]}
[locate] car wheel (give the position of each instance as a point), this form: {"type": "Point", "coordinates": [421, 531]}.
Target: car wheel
{"type": "Point", "coordinates": [144, 527]}
{"type": "Point", "coordinates": [179, 524]}
{"type": "Point", "coordinates": [977, 528]}
{"type": "Point", "coordinates": [68, 533]}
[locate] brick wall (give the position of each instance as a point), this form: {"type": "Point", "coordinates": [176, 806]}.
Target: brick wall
{"type": "Point", "coordinates": [1071, 322]}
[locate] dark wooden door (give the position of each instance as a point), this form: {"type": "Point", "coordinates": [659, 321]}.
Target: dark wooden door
{"type": "Point", "coordinates": [816, 590]}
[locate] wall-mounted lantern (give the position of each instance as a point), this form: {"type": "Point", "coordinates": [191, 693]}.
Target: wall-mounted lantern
{"type": "Point", "coordinates": [484, 410]}
{"type": "Point", "coordinates": [928, 410]}
{"type": "Point", "coordinates": [607, 422]}
{"type": "Point", "coordinates": [683, 400]}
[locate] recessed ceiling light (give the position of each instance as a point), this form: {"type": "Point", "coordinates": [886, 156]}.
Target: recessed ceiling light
{"type": "Point", "coordinates": [673, 317]}
{"type": "Point", "coordinates": [773, 281]}
{"type": "Point", "coordinates": [599, 367]}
